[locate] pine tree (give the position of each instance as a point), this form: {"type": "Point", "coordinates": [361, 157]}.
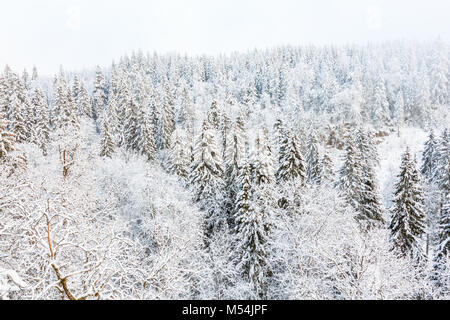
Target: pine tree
{"type": "Point", "coordinates": [7, 139]}
{"type": "Point", "coordinates": [442, 172]}
{"type": "Point", "coordinates": [59, 103]}
{"type": "Point", "coordinates": [292, 165]}
{"type": "Point", "coordinates": [206, 178]}
{"type": "Point", "coordinates": [42, 120]}
{"type": "Point", "coordinates": [19, 127]}
{"type": "Point", "coordinates": [179, 157]}
{"type": "Point", "coordinates": [213, 115]}
{"type": "Point", "coordinates": [100, 93]}
{"type": "Point", "coordinates": [107, 141]}
{"type": "Point", "coordinates": [263, 169]}
{"type": "Point", "coordinates": [407, 217]}
{"type": "Point", "coordinates": [430, 157]}
{"type": "Point", "coordinates": [168, 117]}
{"type": "Point", "coordinates": [313, 170]}
{"type": "Point", "coordinates": [76, 89]}
{"type": "Point", "coordinates": [327, 171]}
{"type": "Point", "coordinates": [370, 207]}
{"type": "Point", "coordinates": [251, 234]}
{"type": "Point", "coordinates": [132, 133]}
{"type": "Point", "coordinates": [351, 175]}
{"type": "Point", "coordinates": [441, 275]}
{"type": "Point", "coordinates": [233, 156]}
{"type": "Point", "coordinates": [84, 102]}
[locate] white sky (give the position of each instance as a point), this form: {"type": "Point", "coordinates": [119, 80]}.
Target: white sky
{"type": "Point", "coordinates": [83, 33]}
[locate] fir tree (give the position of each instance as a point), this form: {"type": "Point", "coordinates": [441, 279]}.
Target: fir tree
{"type": "Point", "coordinates": [213, 115]}
{"type": "Point", "coordinates": [179, 157]}
{"type": "Point", "coordinates": [251, 234]}
{"type": "Point", "coordinates": [132, 133]}
{"type": "Point", "coordinates": [84, 102]}
{"type": "Point", "coordinates": [442, 172]}
{"type": "Point", "coordinates": [233, 156]}
{"type": "Point", "coordinates": [42, 121]}
{"type": "Point", "coordinates": [441, 275]}
{"type": "Point", "coordinates": [100, 93]}
{"type": "Point", "coordinates": [313, 170]}
{"type": "Point", "coordinates": [263, 169]}
{"type": "Point", "coordinates": [107, 141]}
{"type": "Point", "coordinates": [351, 175]}
{"type": "Point", "coordinates": [206, 178]}
{"type": "Point", "coordinates": [292, 165]}
{"type": "Point", "coordinates": [168, 117]}
{"type": "Point", "coordinates": [430, 157]}
{"type": "Point", "coordinates": [7, 139]}
{"type": "Point", "coordinates": [20, 130]}
{"type": "Point", "coordinates": [326, 167]}
{"type": "Point", "coordinates": [407, 217]}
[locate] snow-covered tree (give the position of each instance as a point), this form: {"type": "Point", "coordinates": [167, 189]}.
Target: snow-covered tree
{"type": "Point", "coordinates": [429, 157]}
{"type": "Point", "coordinates": [313, 170]}
{"type": "Point", "coordinates": [206, 178]}
{"type": "Point", "coordinates": [407, 224]}
{"type": "Point", "coordinates": [251, 234]}
{"type": "Point", "coordinates": [179, 156]}
{"type": "Point", "coordinates": [291, 164]}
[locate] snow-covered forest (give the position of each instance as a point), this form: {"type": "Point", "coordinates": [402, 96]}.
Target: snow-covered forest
{"type": "Point", "coordinates": [314, 172]}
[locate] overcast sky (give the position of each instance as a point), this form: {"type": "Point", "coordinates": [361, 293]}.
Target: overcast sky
{"type": "Point", "coordinates": [83, 33]}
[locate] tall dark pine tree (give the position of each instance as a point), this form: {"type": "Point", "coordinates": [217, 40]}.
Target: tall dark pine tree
{"type": "Point", "coordinates": [407, 224]}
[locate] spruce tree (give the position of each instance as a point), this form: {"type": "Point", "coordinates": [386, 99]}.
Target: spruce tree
{"type": "Point", "coordinates": [327, 171]}
{"type": "Point", "coordinates": [7, 139]}
{"type": "Point", "coordinates": [107, 141]}
{"type": "Point", "coordinates": [206, 178]}
{"type": "Point", "coordinates": [132, 133]}
{"type": "Point", "coordinates": [441, 273]}
{"type": "Point", "coordinates": [442, 172]}
{"type": "Point", "coordinates": [262, 160]}
{"type": "Point", "coordinates": [179, 157]}
{"type": "Point", "coordinates": [213, 115]}
{"type": "Point", "coordinates": [250, 233]}
{"type": "Point", "coordinates": [42, 121]}
{"type": "Point", "coordinates": [407, 224]}
{"type": "Point", "coordinates": [233, 156]}
{"type": "Point", "coordinates": [100, 93]}
{"type": "Point", "coordinates": [351, 175]}
{"type": "Point", "coordinates": [313, 170]}
{"type": "Point", "coordinates": [19, 126]}
{"type": "Point", "coordinates": [430, 157]}
{"type": "Point", "coordinates": [168, 117]}
{"type": "Point", "coordinates": [84, 102]}
{"type": "Point", "coordinates": [292, 165]}
{"type": "Point", "coordinates": [147, 144]}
